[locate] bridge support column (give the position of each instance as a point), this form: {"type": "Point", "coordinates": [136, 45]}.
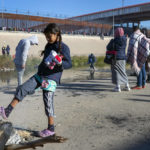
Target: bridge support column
{"type": "Point", "coordinates": [138, 24]}
{"type": "Point", "coordinates": [127, 24]}
{"type": "Point", "coordinates": [133, 24]}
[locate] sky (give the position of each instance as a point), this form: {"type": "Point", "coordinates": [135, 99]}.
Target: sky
{"type": "Point", "coordinates": [64, 8]}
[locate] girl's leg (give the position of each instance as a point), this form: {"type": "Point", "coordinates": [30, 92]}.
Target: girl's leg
{"type": "Point", "coordinates": [51, 123]}
{"type": "Point", "coordinates": [48, 103]}
{"type": "Point", "coordinates": [49, 110]}
{"type": "Point", "coordinates": [25, 89]}
{"type": "Point", "coordinates": [50, 120]}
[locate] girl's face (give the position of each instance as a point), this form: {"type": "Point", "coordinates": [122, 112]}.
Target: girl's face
{"type": "Point", "coordinates": [51, 37]}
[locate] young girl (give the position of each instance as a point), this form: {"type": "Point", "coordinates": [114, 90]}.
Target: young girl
{"type": "Point", "coordinates": [47, 77]}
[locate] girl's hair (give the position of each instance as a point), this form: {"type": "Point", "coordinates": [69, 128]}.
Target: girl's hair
{"type": "Point", "coordinates": [52, 28]}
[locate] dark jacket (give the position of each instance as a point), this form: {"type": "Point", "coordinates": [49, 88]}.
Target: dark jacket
{"type": "Point", "coordinates": [118, 44]}
{"type": "Point", "coordinates": [55, 74]}
{"type": "Point", "coordinates": [91, 59]}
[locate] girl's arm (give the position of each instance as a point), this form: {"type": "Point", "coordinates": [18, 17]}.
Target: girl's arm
{"type": "Point", "coordinates": [66, 61]}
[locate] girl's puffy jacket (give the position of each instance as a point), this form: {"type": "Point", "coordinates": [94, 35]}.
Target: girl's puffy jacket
{"type": "Point", "coordinates": [55, 74]}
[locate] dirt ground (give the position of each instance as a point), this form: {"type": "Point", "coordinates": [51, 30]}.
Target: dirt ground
{"type": "Point", "coordinates": [88, 113]}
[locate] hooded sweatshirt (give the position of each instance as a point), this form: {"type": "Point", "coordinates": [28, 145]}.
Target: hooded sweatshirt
{"type": "Point", "coordinates": [23, 48]}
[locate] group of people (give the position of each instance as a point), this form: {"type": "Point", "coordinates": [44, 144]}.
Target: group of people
{"type": "Point", "coordinates": [137, 54]}
{"type": "Point", "coordinates": [6, 50]}
{"type": "Point", "coordinates": [56, 58]}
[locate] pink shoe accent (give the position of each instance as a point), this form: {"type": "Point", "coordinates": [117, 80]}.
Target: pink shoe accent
{"type": "Point", "coordinates": [45, 133]}
{"type": "Point", "coordinates": [2, 113]}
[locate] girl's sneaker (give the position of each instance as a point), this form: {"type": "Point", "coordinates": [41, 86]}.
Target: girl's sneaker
{"type": "Point", "coordinates": [45, 133]}
{"type": "Point", "coordinates": [2, 113]}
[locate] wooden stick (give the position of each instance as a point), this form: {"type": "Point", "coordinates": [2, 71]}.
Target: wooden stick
{"type": "Point", "coordinates": [36, 143]}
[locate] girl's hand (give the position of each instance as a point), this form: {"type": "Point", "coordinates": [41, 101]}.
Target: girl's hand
{"type": "Point", "coordinates": [51, 65]}
{"type": "Point", "coordinates": [45, 84]}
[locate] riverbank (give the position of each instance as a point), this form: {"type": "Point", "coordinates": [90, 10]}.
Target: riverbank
{"type": "Point", "coordinates": [79, 45]}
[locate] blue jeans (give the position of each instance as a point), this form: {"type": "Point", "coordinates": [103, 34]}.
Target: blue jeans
{"type": "Point", "coordinates": [141, 78]}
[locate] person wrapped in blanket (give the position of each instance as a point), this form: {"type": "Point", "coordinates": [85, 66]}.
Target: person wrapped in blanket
{"type": "Point", "coordinates": [138, 51]}
{"type": "Point", "coordinates": [56, 59]}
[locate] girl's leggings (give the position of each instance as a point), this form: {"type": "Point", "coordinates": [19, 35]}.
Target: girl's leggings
{"type": "Point", "coordinates": [29, 87]}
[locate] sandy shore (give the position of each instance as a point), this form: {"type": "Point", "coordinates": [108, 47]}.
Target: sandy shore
{"type": "Point", "coordinates": [89, 113]}
{"type": "Point", "coordinates": [78, 44]}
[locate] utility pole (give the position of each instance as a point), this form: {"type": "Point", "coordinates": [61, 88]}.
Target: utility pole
{"type": "Point", "coordinates": [2, 12]}
{"type": "Point", "coordinates": [113, 23]}
{"type": "Point", "coordinates": [122, 11]}
{"type": "Point", "coordinates": [122, 3]}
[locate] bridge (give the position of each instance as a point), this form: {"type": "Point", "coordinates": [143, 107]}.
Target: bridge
{"type": "Point", "coordinates": [129, 14]}
{"type": "Point", "coordinates": [93, 23]}
{"type": "Point", "coordinates": [19, 21]}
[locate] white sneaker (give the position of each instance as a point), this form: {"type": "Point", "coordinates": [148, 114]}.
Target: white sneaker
{"type": "Point", "coordinates": [127, 89]}
{"type": "Point", "coordinates": [116, 89]}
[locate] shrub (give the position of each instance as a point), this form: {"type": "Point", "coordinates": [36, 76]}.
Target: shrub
{"type": "Point", "coordinates": [82, 61]}
{"type": "Point", "coordinates": [32, 62]}
{"type": "Point", "coordinates": [6, 62]}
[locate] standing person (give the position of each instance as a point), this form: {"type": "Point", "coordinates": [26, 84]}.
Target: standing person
{"type": "Point", "coordinates": [138, 52]}
{"type": "Point", "coordinates": [48, 77]}
{"type": "Point", "coordinates": [21, 55]}
{"type": "Point", "coordinates": [8, 50]}
{"type": "Point", "coordinates": [102, 36]}
{"type": "Point", "coordinates": [118, 67]}
{"type": "Point", "coordinates": [91, 60]}
{"type": "Point", "coordinates": [3, 50]}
